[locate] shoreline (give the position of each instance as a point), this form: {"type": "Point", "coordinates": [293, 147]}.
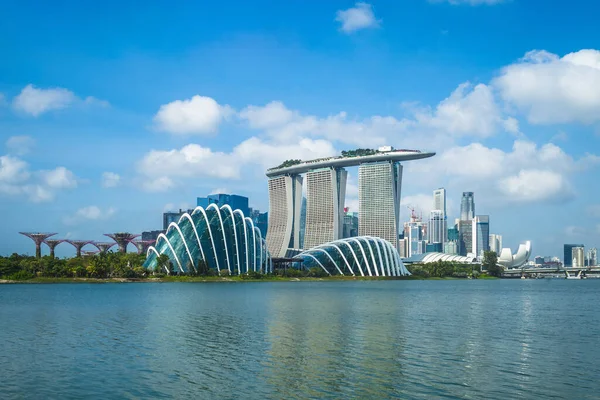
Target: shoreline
{"type": "Point", "coordinates": [220, 279]}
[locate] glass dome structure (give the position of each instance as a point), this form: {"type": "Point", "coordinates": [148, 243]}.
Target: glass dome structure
{"type": "Point", "coordinates": [355, 256]}
{"type": "Point", "coordinates": [223, 238]}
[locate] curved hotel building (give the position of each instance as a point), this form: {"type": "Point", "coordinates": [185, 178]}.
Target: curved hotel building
{"type": "Point", "coordinates": [379, 187]}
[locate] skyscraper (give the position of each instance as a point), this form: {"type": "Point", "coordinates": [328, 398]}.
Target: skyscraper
{"type": "Point", "coordinates": [467, 206]}
{"type": "Point", "coordinates": [465, 237]}
{"type": "Point", "coordinates": [577, 255]}
{"type": "Point", "coordinates": [437, 227]}
{"type": "Point", "coordinates": [236, 202]}
{"type": "Point", "coordinates": [285, 199]}
{"type": "Point", "coordinates": [379, 186]}
{"type": "Point", "coordinates": [481, 234]}
{"type": "Point", "coordinates": [496, 243]}
{"type": "Point", "coordinates": [592, 257]}
{"type": "Point", "coordinates": [325, 196]}
{"type": "Point", "coordinates": [439, 200]}
{"type": "Point", "coordinates": [568, 254]}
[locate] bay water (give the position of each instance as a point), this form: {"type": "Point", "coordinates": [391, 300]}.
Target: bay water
{"type": "Point", "coordinates": [461, 339]}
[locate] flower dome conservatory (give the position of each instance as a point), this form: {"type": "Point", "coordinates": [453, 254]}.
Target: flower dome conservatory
{"type": "Point", "coordinates": [362, 255]}
{"type": "Point", "coordinates": [222, 238]}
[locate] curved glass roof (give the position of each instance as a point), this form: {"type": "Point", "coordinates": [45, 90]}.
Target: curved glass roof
{"type": "Point", "coordinates": [356, 256]}
{"type": "Point", "coordinates": [222, 238]}
{"type": "Point", "coordinates": [433, 257]}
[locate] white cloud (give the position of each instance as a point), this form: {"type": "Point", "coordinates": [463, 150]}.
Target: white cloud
{"type": "Point", "coordinates": [422, 203]}
{"type": "Point", "coordinates": [535, 185]}
{"type": "Point", "coordinates": [594, 210]}
{"type": "Point", "coordinates": [17, 180]}
{"type": "Point", "coordinates": [360, 16]}
{"type": "Point", "coordinates": [90, 213]}
{"type": "Point", "coordinates": [13, 170]}
{"type": "Point", "coordinates": [20, 145]}
{"type": "Point", "coordinates": [110, 179]}
{"type": "Point", "coordinates": [159, 184]}
{"type": "Point", "coordinates": [162, 170]}
{"type": "Point", "coordinates": [58, 178]}
{"type": "Point", "coordinates": [219, 190]}
{"type": "Point", "coordinates": [470, 111]}
{"type": "Point", "coordinates": [36, 101]}
{"type": "Point", "coordinates": [198, 115]}
{"type": "Point", "coordinates": [550, 89]}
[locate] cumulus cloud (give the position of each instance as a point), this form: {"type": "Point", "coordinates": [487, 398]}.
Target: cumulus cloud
{"type": "Point", "coordinates": [361, 16]}
{"type": "Point", "coordinates": [160, 170]}
{"type": "Point", "coordinates": [90, 213]}
{"type": "Point", "coordinates": [110, 179]}
{"type": "Point", "coordinates": [16, 179]}
{"type": "Point", "coordinates": [551, 89]}
{"type": "Point", "coordinates": [198, 115]}
{"type": "Point", "coordinates": [58, 178]}
{"type": "Point", "coordinates": [20, 145]}
{"type": "Point", "coordinates": [36, 101]}
{"type": "Point", "coordinates": [527, 173]}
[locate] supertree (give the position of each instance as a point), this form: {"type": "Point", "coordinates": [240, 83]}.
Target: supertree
{"type": "Point", "coordinates": [52, 243]}
{"type": "Point", "coordinates": [103, 246]}
{"type": "Point", "coordinates": [122, 239]}
{"type": "Point", "coordinates": [78, 244]}
{"type": "Point", "coordinates": [38, 238]}
{"type": "Point", "coordinates": [142, 245]}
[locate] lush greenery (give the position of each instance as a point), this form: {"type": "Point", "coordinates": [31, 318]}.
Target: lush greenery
{"type": "Point", "coordinates": [101, 266]}
{"type": "Point", "coordinates": [359, 152]}
{"type": "Point", "coordinates": [490, 264]}
{"type": "Point", "coordinates": [287, 163]}
{"type": "Point", "coordinates": [444, 269]}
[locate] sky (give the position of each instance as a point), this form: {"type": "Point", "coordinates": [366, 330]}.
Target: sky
{"type": "Point", "coordinates": [112, 112]}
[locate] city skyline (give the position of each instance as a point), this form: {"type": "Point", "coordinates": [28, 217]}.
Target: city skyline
{"type": "Point", "coordinates": [106, 130]}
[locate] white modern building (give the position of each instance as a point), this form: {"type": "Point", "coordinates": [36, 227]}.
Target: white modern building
{"type": "Point", "coordinates": [578, 254]}
{"type": "Point", "coordinates": [379, 186]}
{"type": "Point", "coordinates": [509, 260]}
{"type": "Point", "coordinates": [380, 182]}
{"type": "Point", "coordinates": [325, 196]}
{"type": "Point", "coordinates": [495, 243]}
{"type": "Point", "coordinates": [481, 234]}
{"type": "Point", "coordinates": [439, 200]}
{"type": "Point", "coordinates": [285, 201]}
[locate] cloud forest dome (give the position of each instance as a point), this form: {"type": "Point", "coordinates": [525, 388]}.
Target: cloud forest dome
{"type": "Point", "coordinates": [356, 256]}
{"type": "Point", "coordinates": [222, 238]}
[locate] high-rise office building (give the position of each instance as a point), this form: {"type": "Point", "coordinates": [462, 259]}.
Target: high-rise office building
{"type": "Point", "coordinates": [465, 237]}
{"type": "Point", "coordinates": [325, 197]}
{"type": "Point", "coordinates": [592, 257]}
{"type": "Point", "coordinates": [236, 202]}
{"type": "Point", "coordinates": [496, 243]}
{"type": "Point", "coordinates": [481, 234]}
{"type": "Point", "coordinates": [285, 199]}
{"type": "Point", "coordinates": [173, 216]}
{"type": "Point", "coordinates": [439, 200]}
{"type": "Point", "coordinates": [437, 227]}
{"type": "Point", "coordinates": [568, 254]}
{"type": "Point", "coordinates": [451, 247]}
{"type": "Point", "coordinates": [350, 224]}
{"type": "Point", "coordinates": [467, 206]}
{"type": "Point", "coordinates": [414, 233]}
{"type": "Point", "coordinates": [577, 255]}
{"type": "Point", "coordinates": [379, 186]}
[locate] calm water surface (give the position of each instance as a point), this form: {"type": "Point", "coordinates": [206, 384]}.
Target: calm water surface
{"type": "Point", "coordinates": [396, 339]}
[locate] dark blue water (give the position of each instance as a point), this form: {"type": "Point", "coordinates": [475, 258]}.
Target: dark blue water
{"type": "Point", "coordinates": [396, 339]}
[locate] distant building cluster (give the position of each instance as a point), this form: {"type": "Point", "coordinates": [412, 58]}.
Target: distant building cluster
{"type": "Point", "coordinates": [575, 256]}
{"type": "Point", "coordinates": [236, 202]}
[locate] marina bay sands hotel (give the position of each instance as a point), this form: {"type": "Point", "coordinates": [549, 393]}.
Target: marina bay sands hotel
{"type": "Point", "coordinates": [379, 187]}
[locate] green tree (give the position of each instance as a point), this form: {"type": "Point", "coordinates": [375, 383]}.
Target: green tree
{"type": "Point", "coordinates": [490, 263]}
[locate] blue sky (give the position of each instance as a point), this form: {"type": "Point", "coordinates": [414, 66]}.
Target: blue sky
{"type": "Point", "coordinates": [111, 113]}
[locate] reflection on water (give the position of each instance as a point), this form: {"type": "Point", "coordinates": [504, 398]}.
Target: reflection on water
{"type": "Point", "coordinates": [400, 339]}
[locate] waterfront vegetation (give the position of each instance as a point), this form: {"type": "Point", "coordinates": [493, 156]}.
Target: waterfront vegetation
{"type": "Point", "coordinates": [129, 267]}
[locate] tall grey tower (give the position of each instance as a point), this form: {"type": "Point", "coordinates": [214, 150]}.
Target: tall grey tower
{"type": "Point", "coordinates": [285, 199]}
{"type": "Point", "coordinates": [467, 206]}
{"type": "Point", "coordinates": [379, 187]}
{"type": "Point", "coordinates": [439, 200]}
{"type": "Point", "coordinates": [325, 195]}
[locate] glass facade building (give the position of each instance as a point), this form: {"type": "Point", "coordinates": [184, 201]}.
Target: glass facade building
{"type": "Point", "coordinates": [222, 238]}
{"type": "Point", "coordinates": [236, 202]}
{"type": "Point", "coordinates": [358, 256]}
